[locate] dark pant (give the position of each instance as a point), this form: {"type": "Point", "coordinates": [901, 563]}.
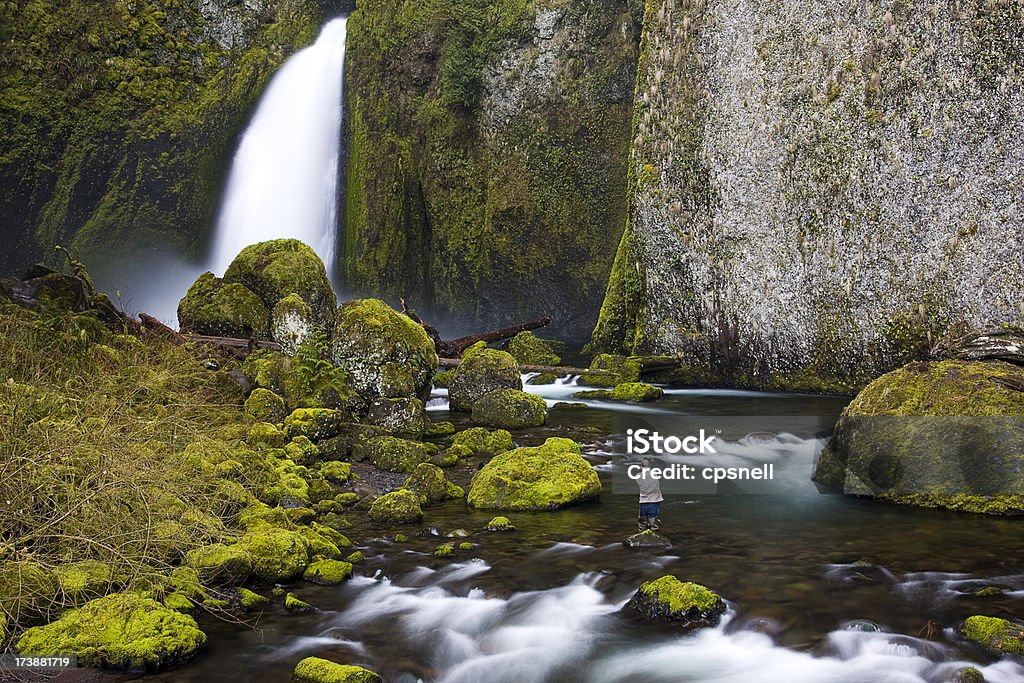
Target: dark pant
{"type": "Point", "coordinates": [650, 509]}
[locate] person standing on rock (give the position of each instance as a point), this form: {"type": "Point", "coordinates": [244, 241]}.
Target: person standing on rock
{"type": "Point", "coordinates": [650, 499]}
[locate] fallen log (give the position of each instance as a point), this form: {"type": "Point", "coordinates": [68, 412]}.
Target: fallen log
{"type": "Point", "coordinates": [232, 342]}
{"type": "Point", "coordinates": [157, 328]}
{"type": "Point", "coordinates": [457, 346]}
{"type": "Point", "coordinates": [553, 369]}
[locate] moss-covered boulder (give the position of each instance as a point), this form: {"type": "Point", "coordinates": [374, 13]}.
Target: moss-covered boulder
{"type": "Point", "coordinates": [266, 435]}
{"type": "Point", "coordinates": [936, 434]}
{"type": "Point", "coordinates": [27, 589]}
{"type": "Point", "coordinates": [220, 564]}
{"type": "Point", "coordinates": [336, 472]}
{"type": "Point", "coordinates": [277, 554]}
{"type": "Point", "coordinates": [480, 374]}
{"type": "Point", "coordinates": [542, 379]}
{"type": "Point", "coordinates": [393, 454]}
{"type": "Point", "coordinates": [302, 451]}
{"type": "Point", "coordinates": [500, 524]}
{"type": "Point", "coordinates": [317, 670]}
{"type": "Point", "coordinates": [296, 605]}
{"type": "Point", "coordinates": [397, 507]}
{"type": "Point", "coordinates": [328, 572]}
{"type": "Point", "coordinates": [429, 482]}
{"type": "Point", "coordinates": [264, 405]}
{"type": "Point", "coordinates": [444, 378]}
{"type": "Point", "coordinates": [84, 580]}
{"type": "Point", "coordinates": [402, 416]}
{"type": "Point", "coordinates": [529, 349]}
{"type": "Point", "coordinates": [546, 477]}
{"type": "Point", "coordinates": [385, 353]}
{"type": "Point", "coordinates": [634, 392]}
{"type": "Point", "coordinates": [998, 636]}
{"type": "Point", "coordinates": [609, 370]}
{"type": "Point", "coordinates": [316, 424]}
{"type": "Point", "coordinates": [250, 600]}
{"type": "Point", "coordinates": [275, 269]}
{"type": "Point", "coordinates": [223, 309]}
{"type": "Point", "coordinates": [687, 604]}
{"type": "Point", "coordinates": [291, 323]}
{"type": "Point", "coordinates": [510, 409]}
{"type": "Point", "coordinates": [483, 442]}
{"type": "Point", "coordinates": [123, 631]}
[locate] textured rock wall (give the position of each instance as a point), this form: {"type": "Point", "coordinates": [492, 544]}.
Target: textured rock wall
{"type": "Point", "coordinates": [488, 155]}
{"type": "Point", "coordinates": [819, 189]}
{"type": "Point", "coordinates": [118, 119]}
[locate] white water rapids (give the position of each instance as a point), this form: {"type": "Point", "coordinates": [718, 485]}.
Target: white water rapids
{"type": "Point", "coordinates": [284, 178]}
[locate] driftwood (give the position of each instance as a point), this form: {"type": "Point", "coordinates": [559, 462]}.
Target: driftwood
{"type": "Point", "coordinates": [232, 342]}
{"type": "Point", "coordinates": [998, 343]}
{"type": "Point", "coordinates": [454, 348]}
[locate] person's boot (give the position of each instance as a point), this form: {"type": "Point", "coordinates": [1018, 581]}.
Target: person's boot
{"type": "Point", "coordinates": [654, 523]}
{"type": "Point", "coordinates": [641, 523]}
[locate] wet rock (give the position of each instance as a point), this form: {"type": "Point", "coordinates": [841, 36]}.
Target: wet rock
{"type": "Point", "coordinates": [328, 572]}
{"type": "Point", "coordinates": [392, 454]}
{"type": "Point", "coordinates": [123, 630]}
{"type": "Point", "coordinates": [295, 605]}
{"type": "Point", "coordinates": [429, 482]}
{"type": "Point", "coordinates": [529, 349]}
{"type": "Point", "coordinates": [686, 604]}
{"type": "Point", "coordinates": [264, 405]}
{"type": "Point", "coordinates": [647, 539]}
{"type": "Point", "coordinates": [546, 477]}
{"type": "Point", "coordinates": [385, 353]}
{"type": "Point", "coordinates": [998, 636]}
{"type": "Point", "coordinates": [397, 507]}
{"type": "Point", "coordinates": [634, 392]}
{"type": "Point", "coordinates": [221, 308]}
{"type": "Point", "coordinates": [481, 373]}
{"type": "Point", "coordinates": [250, 600]}
{"type": "Point", "coordinates": [317, 670]}
{"type": "Point", "coordinates": [510, 409]}
{"type": "Point", "coordinates": [219, 564]}
{"type": "Point", "coordinates": [273, 270]}
{"type": "Point", "coordinates": [945, 434]}
{"type": "Point", "coordinates": [970, 675]}
{"type": "Point", "coordinates": [482, 442]}
{"type": "Point", "coordinates": [401, 416]}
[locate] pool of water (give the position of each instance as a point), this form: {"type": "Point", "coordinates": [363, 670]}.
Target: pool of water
{"type": "Point", "coordinates": [820, 587]}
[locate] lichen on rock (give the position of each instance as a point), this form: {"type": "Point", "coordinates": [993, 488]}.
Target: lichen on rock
{"type": "Point", "coordinates": [291, 323]}
{"type": "Point", "coordinates": [546, 477]}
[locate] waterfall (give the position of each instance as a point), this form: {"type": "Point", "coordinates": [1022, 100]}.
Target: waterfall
{"type": "Point", "coordinates": [284, 178]}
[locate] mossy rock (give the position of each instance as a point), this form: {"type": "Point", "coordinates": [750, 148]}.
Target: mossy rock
{"type": "Point", "coordinates": [179, 602]}
{"type": "Point", "coordinates": [328, 572]}
{"type": "Point", "coordinates": [263, 405]}
{"type": "Point", "coordinates": [27, 589]}
{"type": "Point", "coordinates": [510, 409]}
{"type": "Point", "coordinates": [546, 477]}
{"type": "Point", "coordinates": [185, 580]}
{"type": "Point", "coordinates": [317, 670]}
{"type": "Point", "coordinates": [633, 392]}
{"type": "Point", "coordinates": [500, 524]}
{"type": "Point", "coordinates": [294, 604]}
{"type": "Point", "coordinates": [542, 378]}
{"type": "Point", "coordinates": [444, 550]}
{"type": "Point", "coordinates": [401, 416]}
{"type": "Point", "coordinates": [275, 269]}
{"type": "Point", "coordinates": [266, 434]}
{"type": "Point", "coordinates": [291, 323]}
{"type": "Point", "coordinates": [84, 580]}
{"type": "Point", "coordinates": [444, 378]}
{"type": "Point", "coordinates": [355, 557]}
{"type": "Point", "coordinates": [609, 370]}
{"type": "Point", "coordinates": [393, 454]}
{"type": "Point", "coordinates": [222, 309]}
{"type": "Point", "coordinates": [529, 349]}
{"type": "Point", "coordinates": [336, 472]}
{"type": "Point", "coordinates": [220, 564]}
{"type": "Point", "coordinates": [316, 424]}
{"type": "Point", "coordinates": [121, 631]}
{"type": "Point", "coordinates": [998, 636]}
{"type": "Point", "coordinates": [250, 600]}
{"type": "Point", "coordinates": [277, 554]}
{"type": "Point", "coordinates": [934, 434]}
{"type": "Point", "coordinates": [302, 451]}
{"type": "Point", "coordinates": [331, 534]}
{"type": "Point", "coordinates": [687, 604]}
{"type": "Point", "coordinates": [397, 507]}
{"type": "Point", "coordinates": [429, 482]}
{"type": "Point", "coordinates": [480, 374]}
{"type": "Point", "coordinates": [385, 353]}
{"type": "Point", "coordinates": [969, 675]}
{"type": "Point", "coordinates": [3, 627]}
{"type": "Point", "coordinates": [482, 442]}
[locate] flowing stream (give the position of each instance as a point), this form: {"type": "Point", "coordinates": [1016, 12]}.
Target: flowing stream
{"type": "Point", "coordinates": [284, 179]}
{"type": "Point", "coordinates": [821, 588]}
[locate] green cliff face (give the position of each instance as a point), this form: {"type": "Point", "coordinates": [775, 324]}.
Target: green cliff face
{"type": "Point", "coordinates": [119, 119]}
{"type": "Point", "coordinates": [488, 148]}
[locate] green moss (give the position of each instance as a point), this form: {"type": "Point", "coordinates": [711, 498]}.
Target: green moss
{"type": "Point", "coordinates": [122, 630]}
{"type": "Point", "coordinates": [328, 572]}
{"type": "Point", "coordinates": [634, 392]}
{"type": "Point", "coordinates": [317, 670]}
{"type": "Point", "coordinates": [480, 441]}
{"type": "Point", "coordinates": [355, 557]}
{"type": "Point", "coordinates": [337, 472]}
{"type": "Point", "coordinates": [481, 373]}
{"type": "Point", "coordinates": [670, 599]}
{"type": "Point", "coordinates": [292, 603]}
{"type": "Point", "coordinates": [212, 306]}
{"type": "Point", "coordinates": [500, 524]}
{"type": "Point", "coordinates": [179, 602]}
{"type": "Point", "coordinates": [998, 636]}
{"type": "Point", "coordinates": [331, 534]}
{"type": "Point", "coordinates": [320, 544]}
{"type": "Point", "coordinates": [220, 564]}
{"type": "Point", "coordinates": [428, 481]}
{"type": "Point", "coordinates": [392, 454]}
{"type": "Point", "coordinates": [444, 378]}
{"type": "Point", "coordinates": [250, 600]}
{"type": "Point", "coordinates": [264, 405]}
{"type": "Point", "coordinates": [397, 507]}
{"type": "Point", "coordinates": [608, 370]}
{"type": "Point", "coordinates": [542, 379]}
{"type": "Point", "coordinates": [529, 349]}
{"type": "Point", "coordinates": [401, 416]}
{"type": "Point", "coordinates": [466, 546]}
{"type": "Point", "coordinates": [543, 478]}
{"type": "Point", "coordinates": [317, 424]}
{"type": "Point", "coordinates": [277, 554]}
{"type": "Point", "coordinates": [970, 675]}
{"type": "Point", "coordinates": [510, 409]}
{"type": "Point", "coordinates": [401, 538]}
{"type": "Point", "coordinates": [444, 550]}
{"type": "Point", "coordinates": [27, 589]}
{"type": "Point", "coordinates": [302, 451]}
{"type": "Point", "coordinates": [266, 434]}
{"type": "Point", "coordinates": [84, 580]}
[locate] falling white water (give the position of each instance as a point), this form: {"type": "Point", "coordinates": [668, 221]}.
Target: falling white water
{"type": "Point", "coordinates": [284, 179]}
